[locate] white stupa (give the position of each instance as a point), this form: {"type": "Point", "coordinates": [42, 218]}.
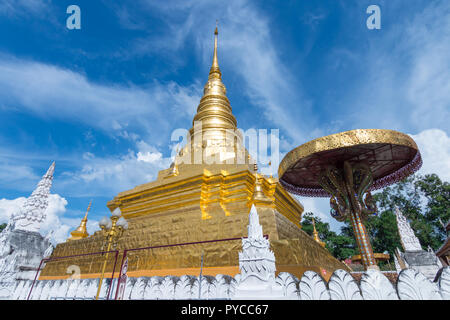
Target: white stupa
{"type": "Point", "coordinates": [407, 237]}
{"type": "Point", "coordinates": [32, 214]}
{"type": "Point", "coordinates": [257, 264]}
{"type": "Point", "coordinates": [21, 245]}
{"type": "Point", "coordinates": [414, 256]}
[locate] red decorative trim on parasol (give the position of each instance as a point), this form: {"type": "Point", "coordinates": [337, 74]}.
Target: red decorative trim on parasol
{"type": "Point", "coordinates": [385, 181]}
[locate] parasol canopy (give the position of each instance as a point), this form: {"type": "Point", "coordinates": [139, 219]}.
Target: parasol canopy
{"type": "Point", "coordinates": [390, 155]}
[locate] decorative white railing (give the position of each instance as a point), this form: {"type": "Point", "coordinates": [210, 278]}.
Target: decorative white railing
{"type": "Point", "coordinates": [410, 285]}
{"type": "Point", "coordinates": [257, 281]}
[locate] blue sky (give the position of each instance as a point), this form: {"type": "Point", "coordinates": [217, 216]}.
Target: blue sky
{"type": "Point", "coordinates": [103, 101]}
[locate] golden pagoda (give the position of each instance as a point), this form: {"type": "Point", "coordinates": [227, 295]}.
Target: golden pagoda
{"type": "Point", "coordinates": [205, 196]}
{"type": "Point", "coordinates": [316, 234]}
{"type": "Point", "coordinates": [81, 232]}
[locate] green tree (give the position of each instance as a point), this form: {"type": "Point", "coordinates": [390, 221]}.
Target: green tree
{"type": "Point", "coordinates": [423, 200]}
{"type": "Point", "coordinates": [339, 245]}
{"type": "Point", "coordinates": [2, 226]}
{"type": "Point", "coordinates": [437, 210]}
{"type": "Point", "coordinates": [383, 232]}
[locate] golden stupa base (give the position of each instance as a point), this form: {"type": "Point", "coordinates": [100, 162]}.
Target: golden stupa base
{"type": "Point", "coordinates": [182, 209]}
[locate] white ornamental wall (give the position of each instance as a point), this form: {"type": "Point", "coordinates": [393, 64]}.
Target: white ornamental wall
{"type": "Point", "coordinates": [411, 285]}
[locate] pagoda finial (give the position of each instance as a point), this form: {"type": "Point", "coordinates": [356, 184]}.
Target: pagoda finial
{"type": "Point", "coordinates": [81, 232]}
{"type": "Point", "coordinates": [215, 70]}
{"type": "Point", "coordinates": [87, 210]}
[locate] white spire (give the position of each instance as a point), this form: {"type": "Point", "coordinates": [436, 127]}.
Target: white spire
{"type": "Point", "coordinates": [256, 262]}
{"type": "Point", "coordinates": [407, 237]}
{"type": "Point", "coordinates": [254, 228]}
{"type": "Point", "coordinates": [32, 214]}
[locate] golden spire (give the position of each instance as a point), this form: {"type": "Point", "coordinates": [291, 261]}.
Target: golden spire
{"type": "Point", "coordinates": [214, 110]}
{"type": "Point", "coordinates": [214, 137]}
{"type": "Point", "coordinates": [81, 232]}
{"type": "Point", "coordinates": [316, 234]}
{"type": "Point", "coordinates": [215, 70]}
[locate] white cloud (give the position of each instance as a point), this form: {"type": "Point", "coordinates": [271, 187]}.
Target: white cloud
{"type": "Point", "coordinates": [318, 206]}
{"type": "Point", "coordinates": [9, 207]}
{"type": "Point", "coordinates": [55, 212]}
{"type": "Point", "coordinates": [402, 78]}
{"type": "Point", "coordinates": [90, 175]}
{"type": "Point", "coordinates": [54, 215]}
{"type": "Point", "coordinates": [434, 146]}
{"type": "Point", "coordinates": [149, 157]}
{"type": "Point", "coordinates": [106, 176]}
{"type": "Point", "coordinates": [88, 156]}
{"type": "Point", "coordinates": [56, 93]}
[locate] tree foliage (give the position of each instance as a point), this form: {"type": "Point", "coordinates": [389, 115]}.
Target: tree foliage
{"type": "Point", "coordinates": [340, 246]}
{"type": "Point", "coordinates": [423, 200]}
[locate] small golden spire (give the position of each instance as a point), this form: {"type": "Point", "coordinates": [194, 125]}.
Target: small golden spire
{"type": "Point", "coordinates": [81, 232]}
{"type": "Point", "coordinates": [215, 70]}
{"type": "Point", "coordinates": [316, 234]}
{"type": "Point", "coordinates": [87, 211]}
{"type": "Point", "coordinates": [174, 166]}
{"type": "Point", "coordinates": [258, 191]}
